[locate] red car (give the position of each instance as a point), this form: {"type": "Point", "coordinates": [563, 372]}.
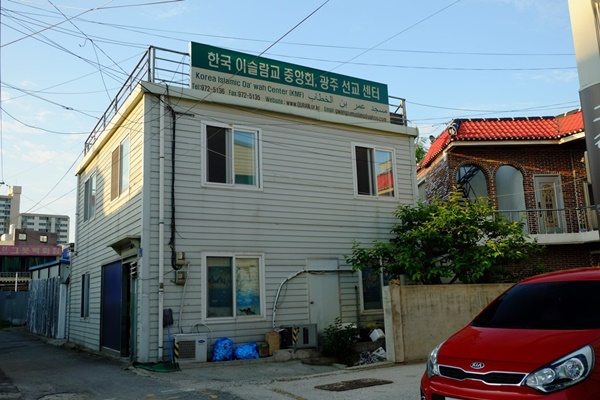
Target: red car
{"type": "Point", "coordinates": [539, 340]}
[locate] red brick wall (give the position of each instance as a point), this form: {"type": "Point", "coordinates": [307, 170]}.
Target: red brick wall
{"type": "Point", "coordinates": [558, 257]}
{"type": "Point", "coordinates": [565, 160]}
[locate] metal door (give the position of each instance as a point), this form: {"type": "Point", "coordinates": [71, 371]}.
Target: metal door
{"type": "Point", "coordinates": [323, 292]}
{"type": "Point", "coordinates": [114, 314]}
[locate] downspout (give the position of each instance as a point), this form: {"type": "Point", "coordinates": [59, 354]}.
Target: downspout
{"type": "Point", "coordinates": [161, 225]}
{"type": "Point", "coordinates": [172, 240]}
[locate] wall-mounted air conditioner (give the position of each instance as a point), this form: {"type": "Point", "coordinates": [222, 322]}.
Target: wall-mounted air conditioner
{"type": "Point", "coordinates": [192, 347]}
{"type": "Point", "coordinates": [299, 336]}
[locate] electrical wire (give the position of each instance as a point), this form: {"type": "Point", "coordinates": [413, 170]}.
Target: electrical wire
{"type": "Point", "coordinates": [57, 183]}
{"type": "Point", "coordinates": [51, 26]}
{"type": "Point", "coordinates": [68, 108]}
{"type": "Point", "coordinates": [187, 34]}
{"type": "Point", "coordinates": [397, 34]}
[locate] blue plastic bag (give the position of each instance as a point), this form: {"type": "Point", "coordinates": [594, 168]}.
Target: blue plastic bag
{"type": "Point", "coordinates": [222, 349]}
{"type": "Point", "coordinates": [246, 351]}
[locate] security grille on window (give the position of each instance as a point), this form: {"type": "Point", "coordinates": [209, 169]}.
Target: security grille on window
{"type": "Point", "coordinates": [231, 155]}
{"type": "Point", "coordinates": [89, 202]}
{"type": "Point", "coordinates": [119, 174]}
{"type": "Point", "coordinates": [374, 169]}
{"type": "Point", "coordinates": [233, 287]}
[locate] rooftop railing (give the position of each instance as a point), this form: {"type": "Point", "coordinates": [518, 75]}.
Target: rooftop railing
{"type": "Point", "coordinates": [163, 66]}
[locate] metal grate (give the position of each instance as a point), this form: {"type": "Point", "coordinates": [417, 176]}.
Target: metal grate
{"type": "Point", "coordinates": [492, 378]}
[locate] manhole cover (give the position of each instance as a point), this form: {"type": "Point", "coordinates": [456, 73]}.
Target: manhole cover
{"type": "Point", "coordinates": [353, 384]}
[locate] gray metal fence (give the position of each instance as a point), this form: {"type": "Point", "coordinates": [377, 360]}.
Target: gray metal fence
{"type": "Point", "coordinates": [13, 307]}
{"type": "Point", "coordinates": [43, 307]}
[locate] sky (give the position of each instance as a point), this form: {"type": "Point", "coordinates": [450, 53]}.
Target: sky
{"type": "Point", "coordinates": [62, 62]}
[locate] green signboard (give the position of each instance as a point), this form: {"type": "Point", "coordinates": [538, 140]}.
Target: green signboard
{"type": "Point", "coordinates": [264, 80]}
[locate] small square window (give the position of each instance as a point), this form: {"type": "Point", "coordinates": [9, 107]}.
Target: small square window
{"type": "Point", "coordinates": [374, 172]}
{"type": "Point", "coordinates": [22, 237]}
{"type": "Point", "coordinates": [44, 239]}
{"type": "Point", "coordinates": [232, 156]}
{"type": "Point", "coordinates": [233, 287]}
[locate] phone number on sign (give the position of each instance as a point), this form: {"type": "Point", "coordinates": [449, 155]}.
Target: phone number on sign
{"type": "Point", "coordinates": [209, 88]}
{"type": "Point", "coordinates": [244, 95]}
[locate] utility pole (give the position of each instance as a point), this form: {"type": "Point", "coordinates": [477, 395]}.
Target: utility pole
{"type": "Point", "coordinates": [585, 24]}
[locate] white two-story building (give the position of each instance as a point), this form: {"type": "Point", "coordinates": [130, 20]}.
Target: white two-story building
{"type": "Point", "coordinates": [221, 193]}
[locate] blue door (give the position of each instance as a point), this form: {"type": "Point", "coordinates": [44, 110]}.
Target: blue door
{"type": "Point", "coordinates": [114, 324]}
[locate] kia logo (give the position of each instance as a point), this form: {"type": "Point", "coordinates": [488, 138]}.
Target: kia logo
{"type": "Point", "coordinates": [477, 365]}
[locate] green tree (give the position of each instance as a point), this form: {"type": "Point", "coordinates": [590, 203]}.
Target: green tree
{"type": "Point", "coordinates": [454, 239]}
{"type": "Point", "coordinates": [420, 149]}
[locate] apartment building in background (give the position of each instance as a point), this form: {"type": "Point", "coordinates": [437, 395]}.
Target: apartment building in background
{"type": "Point", "coordinates": [10, 214]}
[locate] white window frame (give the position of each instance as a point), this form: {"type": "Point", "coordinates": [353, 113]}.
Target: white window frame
{"type": "Point", "coordinates": [257, 154]}
{"type": "Point", "coordinates": [236, 318]}
{"type": "Point", "coordinates": [361, 295]}
{"type": "Point", "coordinates": [122, 185]}
{"type": "Point", "coordinates": [374, 196]}
{"type": "Point", "coordinates": [89, 208]}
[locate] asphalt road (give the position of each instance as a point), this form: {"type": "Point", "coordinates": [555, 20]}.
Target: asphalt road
{"type": "Point", "coordinates": [31, 368]}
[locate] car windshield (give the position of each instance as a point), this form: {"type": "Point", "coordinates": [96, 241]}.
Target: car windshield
{"type": "Point", "coordinates": [546, 305]}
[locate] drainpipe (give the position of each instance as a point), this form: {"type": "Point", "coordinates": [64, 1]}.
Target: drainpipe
{"type": "Point", "coordinates": [161, 225]}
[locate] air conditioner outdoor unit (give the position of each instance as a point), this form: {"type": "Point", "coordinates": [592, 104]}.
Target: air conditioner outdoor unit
{"type": "Point", "coordinates": [192, 346]}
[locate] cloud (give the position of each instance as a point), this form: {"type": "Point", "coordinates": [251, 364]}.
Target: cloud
{"type": "Point", "coordinates": [556, 76]}
{"type": "Point", "coordinates": [546, 9]}
{"type": "Point", "coordinates": [38, 153]}
{"type": "Point", "coordinates": [168, 11]}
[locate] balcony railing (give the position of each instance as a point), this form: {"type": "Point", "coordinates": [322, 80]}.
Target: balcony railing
{"type": "Point", "coordinates": [163, 66]}
{"type": "Point", "coordinates": [7, 276]}
{"type": "Point", "coordinates": [550, 221]}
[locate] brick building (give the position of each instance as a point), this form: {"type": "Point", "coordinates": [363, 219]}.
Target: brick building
{"type": "Point", "coordinates": [22, 249]}
{"type": "Point", "coordinates": [531, 169]}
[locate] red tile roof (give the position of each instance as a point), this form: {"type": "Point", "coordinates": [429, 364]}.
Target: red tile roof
{"type": "Point", "coordinates": [498, 129]}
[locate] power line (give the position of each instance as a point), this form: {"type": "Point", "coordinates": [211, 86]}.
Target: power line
{"type": "Point", "coordinates": [370, 64]}
{"type": "Point", "coordinates": [52, 43]}
{"type": "Point", "coordinates": [40, 128]}
{"type": "Point", "coordinates": [428, 67]}
{"type": "Point", "coordinates": [293, 28]}
{"type": "Point", "coordinates": [51, 26]}
{"type": "Point", "coordinates": [486, 111]}
{"type": "Point", "coordinates": [547, 107]}
{"type": "Point", "coordinates": [103, 7]}
{"type": "Point", "coordinates": [68, 108]}
{"type": "Point", "coordinates": [398, 34]}
{"type": "Point", "coordinates": [57, 183]}
{"type": "Point", "coordinates": [150, 32]}
{"type": "Point", "coordinates": [94, 46]}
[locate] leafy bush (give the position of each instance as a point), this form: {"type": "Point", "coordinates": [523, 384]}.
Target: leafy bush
{"type": "Point", "coordinates": [338, 340]}
{"type": "Point", "coordinates": [455, 239]}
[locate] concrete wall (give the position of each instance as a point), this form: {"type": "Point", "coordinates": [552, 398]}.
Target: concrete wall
{"type": "Point", "coordinates": [419, 317]}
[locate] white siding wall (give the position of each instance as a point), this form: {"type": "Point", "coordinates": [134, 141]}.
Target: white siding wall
{"type": "Point", "coordinates": [305, 209]}
{"type": "Point", "coordinates": [113, 220]}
